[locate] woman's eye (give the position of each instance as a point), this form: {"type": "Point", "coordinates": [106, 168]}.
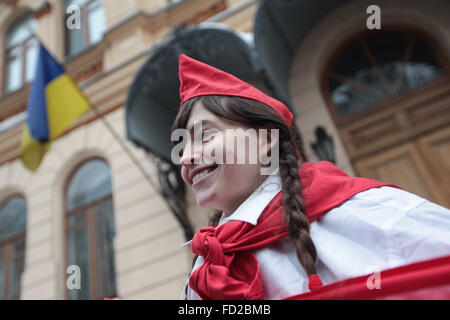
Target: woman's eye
{"type": "Point", "coordinates": [207, 135]}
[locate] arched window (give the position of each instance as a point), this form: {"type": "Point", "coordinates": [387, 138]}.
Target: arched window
{"type": "Point", "coordinates": [90, 28]}
{"type": "Point", "coordinates": [21, 51]}
{"type": "Point", "coordinates": [90, 230]}
{"type": "Point", "coordinates": [378, 66]}
{"type": "Point", "coordinates": [13, 218]}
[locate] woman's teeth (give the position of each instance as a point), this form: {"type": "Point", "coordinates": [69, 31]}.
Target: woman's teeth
{"type": "Point", "coordinates": [201, 174]}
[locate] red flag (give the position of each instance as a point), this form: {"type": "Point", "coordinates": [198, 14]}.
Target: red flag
{"type": "Point", "coordinates": [425, 280]}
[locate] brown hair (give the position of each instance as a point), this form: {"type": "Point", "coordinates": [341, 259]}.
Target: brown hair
{"type": "Point", "coordinates": [255, 114]}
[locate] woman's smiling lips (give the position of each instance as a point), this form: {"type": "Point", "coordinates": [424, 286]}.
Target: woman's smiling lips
{"type": "Point", "coordinates": [199, 173]}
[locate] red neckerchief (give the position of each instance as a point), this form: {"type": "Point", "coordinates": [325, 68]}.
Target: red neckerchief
{"type": "Point", "coordinates": [230, 270]}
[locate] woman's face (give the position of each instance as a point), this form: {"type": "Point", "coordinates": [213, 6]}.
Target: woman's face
{"type": "Point", "coordinates": [225, 184]}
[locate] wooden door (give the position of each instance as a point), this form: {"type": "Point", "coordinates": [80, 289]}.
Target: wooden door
{"type": "Point", "coordinates": [420, 166]}
{"type": "Point", "coordinates": [435, 150]}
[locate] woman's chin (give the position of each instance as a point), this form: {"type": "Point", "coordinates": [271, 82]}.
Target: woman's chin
{"type": "Point", "coordinates": [206, 200]}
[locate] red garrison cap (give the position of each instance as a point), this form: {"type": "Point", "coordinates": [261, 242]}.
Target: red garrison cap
{"type": "Point", "coordinates": [199, 79]}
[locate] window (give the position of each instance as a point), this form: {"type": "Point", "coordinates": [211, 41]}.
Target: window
{"type": "Point", "coordinates": [12, 246]}
{"type": "Point", "coordinates": [376, 67]}
{"type": "Point", "coordinates": [92, 25]}
{"type": "Point", "coordinates": [21, 52]}
{"type": "Point", "coordinates": [90, 230]}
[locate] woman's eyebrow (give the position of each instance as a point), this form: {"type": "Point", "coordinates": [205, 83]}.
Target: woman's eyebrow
{"type": "Point", "coordinates": [203, 123]}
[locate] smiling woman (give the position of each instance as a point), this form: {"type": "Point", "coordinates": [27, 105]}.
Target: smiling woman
{"type": "Point", "coordinates": [280, 235]}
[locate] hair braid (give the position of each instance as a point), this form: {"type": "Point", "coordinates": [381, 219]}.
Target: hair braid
{"type": "Point", "coordinates": [294, 207]}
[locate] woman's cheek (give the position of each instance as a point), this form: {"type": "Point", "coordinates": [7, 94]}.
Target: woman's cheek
{"type": "Point", "coordinates": [209, 152]}
{"type": "Point", "coordinates": [244, 152]}
{"type": "Point", "coordinates": [185, 174]}
{"type": "Point", "coordinates": [215, 150]}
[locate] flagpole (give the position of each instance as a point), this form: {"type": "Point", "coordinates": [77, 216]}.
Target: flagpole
{"type": "Point", "coordinates": [125, 148]}
{"type": "Point", "coordinates": [181, 216]}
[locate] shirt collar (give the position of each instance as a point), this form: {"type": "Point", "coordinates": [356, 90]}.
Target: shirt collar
{"type": "Point", "coordinates": [250, 210]}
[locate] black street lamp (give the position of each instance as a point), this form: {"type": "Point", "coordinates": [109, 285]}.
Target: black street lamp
{"type": "Point", "coordinates": [324, 146]}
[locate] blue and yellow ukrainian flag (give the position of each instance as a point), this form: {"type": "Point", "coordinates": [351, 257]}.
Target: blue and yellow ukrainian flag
{"type": "Point", "coordinates": [54, 103]}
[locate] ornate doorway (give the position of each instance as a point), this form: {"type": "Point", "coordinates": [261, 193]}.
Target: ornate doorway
{"type": "Point", "coordinates": [389, 95]}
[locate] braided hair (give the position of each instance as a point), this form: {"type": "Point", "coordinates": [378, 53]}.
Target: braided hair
{"type": "Point", "coordinates": [255, 114]}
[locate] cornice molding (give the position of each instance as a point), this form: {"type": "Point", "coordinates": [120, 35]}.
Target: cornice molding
{"type": "Point", "coordinates": [10, 3]}
{"type": "Point", "coordinates": [42, 10]}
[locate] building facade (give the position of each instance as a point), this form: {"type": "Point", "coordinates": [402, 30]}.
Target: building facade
{"type": "Point", "coordinates": [95, 208]}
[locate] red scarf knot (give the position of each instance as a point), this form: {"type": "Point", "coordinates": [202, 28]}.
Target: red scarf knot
{"type": "Point", "coordinates": [206, 244]}
{"type": "Point", "coordinates": [314, 282]}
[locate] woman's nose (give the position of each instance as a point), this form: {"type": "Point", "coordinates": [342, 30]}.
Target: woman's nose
{"type": "Point", "coordinates": [190, 155]}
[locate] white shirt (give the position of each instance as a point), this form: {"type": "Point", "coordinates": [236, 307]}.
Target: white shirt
{"type": "Point", "coordinates": [377, 229]}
